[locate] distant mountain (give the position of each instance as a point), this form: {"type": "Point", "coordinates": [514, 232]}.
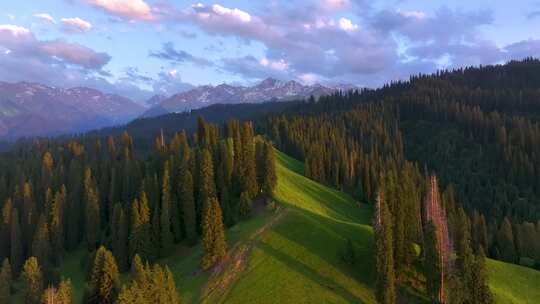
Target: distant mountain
{"type": "Point", "coordinates": [30, 109]}
{"type": "Point", "coordinates": [267, 90]}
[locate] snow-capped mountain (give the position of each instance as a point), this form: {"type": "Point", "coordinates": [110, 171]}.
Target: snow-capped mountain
{"type": "Point", "coordinates": [269, 89]}
{"type": "Point", "coordinates": [29, 109]}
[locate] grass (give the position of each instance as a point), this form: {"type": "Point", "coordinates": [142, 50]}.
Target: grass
{"type": "Point", "coordinates": [298, 260]}
{"type": "Point", "coordinates": [294, 255]}
{"type": "Point", "coordinates": [513, 284]}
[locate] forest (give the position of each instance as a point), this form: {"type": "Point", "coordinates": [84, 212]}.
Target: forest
{"type": "Point", "coordinates": [449, 163]}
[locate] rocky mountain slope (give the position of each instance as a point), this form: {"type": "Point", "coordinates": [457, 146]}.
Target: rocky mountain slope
{"type": "Point", "coordinates": [30, 109]}
{"type": "Point", "coordinates": [267, 90]}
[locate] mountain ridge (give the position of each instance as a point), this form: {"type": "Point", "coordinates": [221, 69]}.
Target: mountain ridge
{"type": "Point", "coordinates": [269, 89]}
{"type": "Point", "coordinates": [33, 109]}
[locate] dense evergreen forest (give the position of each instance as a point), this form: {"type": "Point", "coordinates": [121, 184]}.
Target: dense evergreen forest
{"type": "Point", "coordinates": [449, 161]}
{"type": "Point", "coordinates": [126, 210]}
{"type": "Point", "coordinates": [475, 128]}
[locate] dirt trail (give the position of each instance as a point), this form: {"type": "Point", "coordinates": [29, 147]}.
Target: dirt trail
{"type": "Point", "coordinates": [225, 274]}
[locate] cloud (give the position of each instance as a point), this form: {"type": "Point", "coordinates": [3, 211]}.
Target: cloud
{"type": "Point", "coordinates": [251, 67]}
{"type": "Point", "coordinates": [347, 25]}
{"type": "Point", "coordinates": [75, 54]}
{"type": "Point", "coordinates": [174, 56]}
{"type": "Point", "coordinates": [31, 59]}
{"type": "Point", "coordinates": [533, 15]}
{"type": "Point", "coordinates": [45, 17]}
{"type": "Point", "coordinates": [127, 9]}
{"type": "Point", "coordinates": [170, 83]}
{"type": "Point", "coordinates": [75, 25]}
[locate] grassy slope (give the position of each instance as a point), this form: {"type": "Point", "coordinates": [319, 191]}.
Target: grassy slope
{"type": "Point", "coordinates": [298, 259]}
{"type": "Point", "coordinates": [513, 283]}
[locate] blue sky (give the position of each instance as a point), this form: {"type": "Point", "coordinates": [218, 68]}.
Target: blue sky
{"type": "Point", "coordinates": [138, 48]}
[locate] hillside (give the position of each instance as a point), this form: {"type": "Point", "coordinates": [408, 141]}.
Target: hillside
{"type": "Point", "coordinates": [293, 254]}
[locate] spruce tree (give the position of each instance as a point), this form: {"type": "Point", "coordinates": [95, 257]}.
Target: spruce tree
{"type": "Point", "coordinates": [481, 292]}
{"type": "Point", "coordinates": [188, 205]}
{"type": "Point", "coordinates": [213, 234]}
{"type": "Point", "coordinates": [268, 170]}
{"type": "Point", "coordinates": [63, 293]}
{"type": "Point", "coordinates": [119, 235]}
{"type": "Point", "coordinates": [166, 236]}
{"type": "Point", "coordinates": [6, 278]}
{"type": "Point", "coordinates": [249, 166]}
{"type": "Point", "coordinates": [5, 228]}
{"type": "Point", "coordinates": [384, 253]}
{"type": "Point", "coordinates": [16, 255]}
{"type": "Point", "coordinates": [505, 242]}
{"type": "Point", "coordinates": [56, 221]}
{"type": "Point", "coordinates": [32, 281]}
{"type": "Point", "coordinates": [433, 263]}
{"type": "Point", "coordinates": [244, 205]}
{"type": "Point", "coordinates": [93, 219]}
{"type": "Point", "coordinates": [41, 247]}
{"type": "Point", "coordinates": [104, 279]}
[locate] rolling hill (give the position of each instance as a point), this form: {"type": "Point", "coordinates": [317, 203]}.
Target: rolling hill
{"type": "Point", "coordinates": [293, 254]}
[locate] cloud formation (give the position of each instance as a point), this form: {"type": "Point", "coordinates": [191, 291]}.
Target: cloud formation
{"type": "Point", "coordinates": [127, 9]}
{"type": "Point", "coordinates": [75, 25]}
{"type": "Point", "coordinates": [174, 56]}
{"type": "Point", "coordinates": [46, 17]}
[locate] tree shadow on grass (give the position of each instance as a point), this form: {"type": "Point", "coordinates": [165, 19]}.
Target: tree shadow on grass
{"type": "Point", "coordinates": [303, 269]}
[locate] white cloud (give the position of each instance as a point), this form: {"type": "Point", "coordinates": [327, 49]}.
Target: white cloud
{"type": "Point", "coordinates": [234, 13]}
{"type": "Point", "coordinates": [333, 5]}
{"type": "Point", "coordinates": [46, 17]}
{"type": "Point", "coordinates": [347, 25]}
{"type": "Point", "coordinates": [14, 31]}
{"type": "Point", "coordinates": [278, 65]}
{"type": "Point", "coordinates": [76, 24]}
{"type": "Point", "coordinates": [130, 9]}
{"type": "Point", "coordinates": [309, 78]}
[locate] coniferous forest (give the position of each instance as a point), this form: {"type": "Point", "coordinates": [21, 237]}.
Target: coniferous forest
{"type": "Point", "coordinates": [449, 163]}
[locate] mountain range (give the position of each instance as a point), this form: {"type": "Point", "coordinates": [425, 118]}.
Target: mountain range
{"type": "Point", "coordinates": [269, 89]}
{"type": "Point", "coordinates": [32, 109]}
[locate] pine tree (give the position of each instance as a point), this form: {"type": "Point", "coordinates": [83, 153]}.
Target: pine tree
{"type": "Point", "coordinates": [104, 279]}
{"type": "Point", "coordinates": [384, 254]}
{"type": "Point", "coordinates": [33, 281]}
{"type": "Point", "coordinates": [93, 219]}
{"type": "Point", "coordinates": [481, 291]}
{"type": "Point", "coordinates": [5, 228]}
{"type": "Point", "coordinates": [166, 236]}
{"type": "Point", "coordinates": [505, 242]}
{"type": "Point", "coordinates": [213, 234]}
{"type": "Point", "coordinates": [119, 235]}
{"type": "Point", "coordinates": [6, 278]}
{"type": "Point", "coordinates": [207, 187]}
{"type": "Point", "coordinates": [56, 221]}
{"type": "Point", "coordinates": [244, 206]}
{"type": "Point", "coordinates": [188, 205]}
{"type": "Point", "coordinates": [63, 294]}
{"type": "Point", "coordinates": [433, 264]}
{"type": "Point", "coordinates": [268, 170]}
{"type": "Point", "coordinates": [16, 255]}
{"type": "Point", "coordinates": [249, 167]}
{"type": "Point", "coordinates": [41, 247]}
{"type": "Point", "coordinates": [140, 239]}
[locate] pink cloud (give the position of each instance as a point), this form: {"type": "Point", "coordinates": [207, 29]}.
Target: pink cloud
{"type": "Point", "coordinates": [75, 54]}
{"type": "Point", "coordinates": [75, 25]}
{"type": "Point", "coordinates": [129, 9]}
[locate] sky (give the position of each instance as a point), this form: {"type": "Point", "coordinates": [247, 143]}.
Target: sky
{"type": "Point", "coordinates": [139, 48]}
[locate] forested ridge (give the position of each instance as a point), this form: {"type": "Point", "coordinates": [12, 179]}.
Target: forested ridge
{"type": "Point", "coordinates": [450, 163]}
{"type": "Point", "coordinates": [475, 128]}
{"type": "Point", "coordinates": [126, 210]}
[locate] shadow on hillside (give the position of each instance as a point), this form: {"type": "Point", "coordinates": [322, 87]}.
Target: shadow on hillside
{"type": "Point", "coordinates": [331, 242]}
{"type": "Point", "coordinates": [308, 272]}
